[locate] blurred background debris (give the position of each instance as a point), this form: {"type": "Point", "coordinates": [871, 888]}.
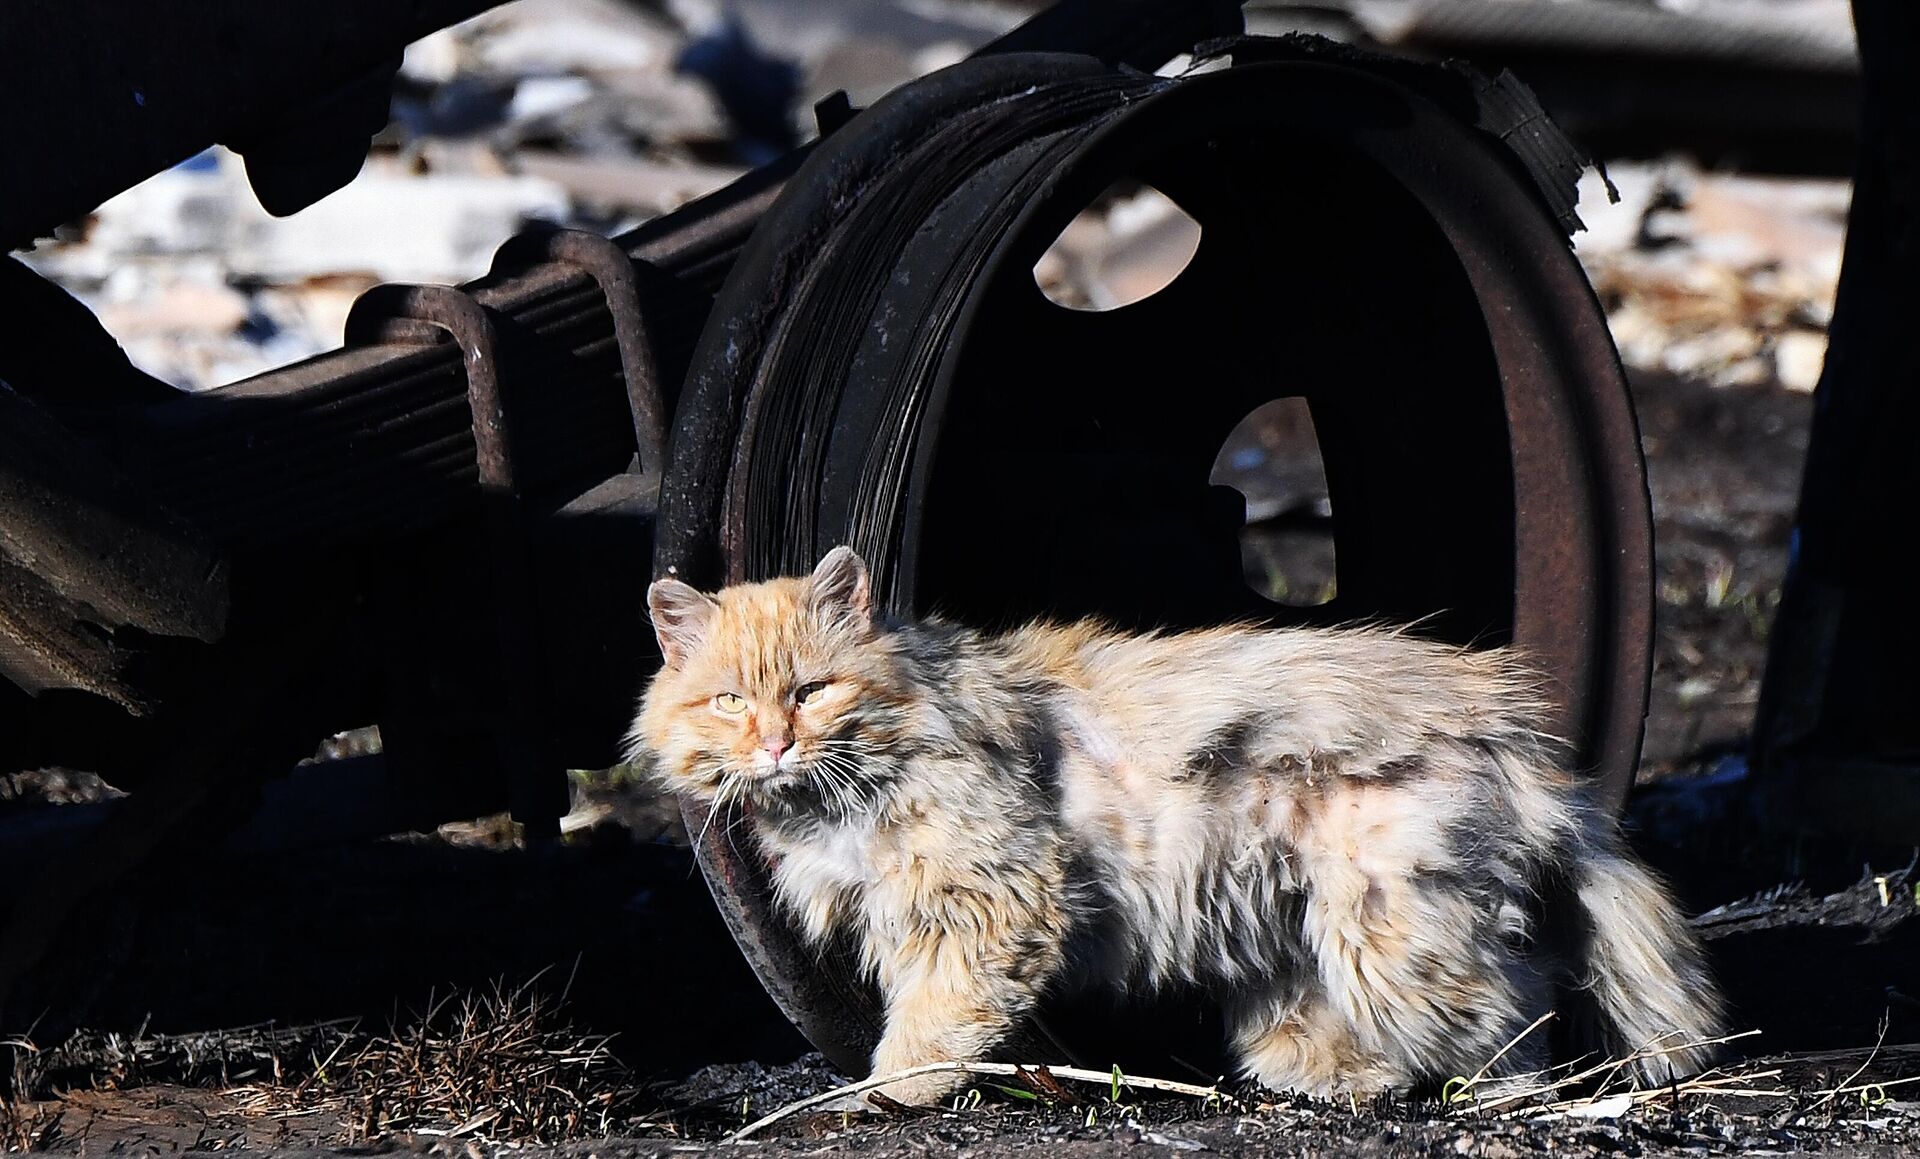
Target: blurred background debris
{"type": "Point", "coordinates": [603, 113]}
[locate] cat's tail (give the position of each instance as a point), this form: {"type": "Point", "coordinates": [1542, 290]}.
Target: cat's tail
{"type": "Point", "coordinates": [1638, 964]}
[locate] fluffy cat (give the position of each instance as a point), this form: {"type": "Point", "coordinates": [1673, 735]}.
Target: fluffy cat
{"type": "Point", "coordinates": [1350, 837]}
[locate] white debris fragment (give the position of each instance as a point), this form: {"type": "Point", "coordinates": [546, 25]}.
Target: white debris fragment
{"type": "Point", "coordinates": [434, 59]}
{"type": "Point", "coordinates": [1172, 1142]}
{"type": "Point", "coordinates": [1798, 358]}
{"type": "Point", "coordinates": [1607, 1108]}
{"type": "Point", "coordinates": [1614, 226]}
{"type": "Point", "coordinates": [543, 96]}
{"type": "Point", "coordinates": [941, 54]}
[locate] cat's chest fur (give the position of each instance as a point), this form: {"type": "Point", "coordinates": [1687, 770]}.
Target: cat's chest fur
{"type": "Point", "coordinates": [830, 872]}
{"type": "Point", "coordinates": [828, 858]}
{"type": "Point", "coordinates": [957, 834]}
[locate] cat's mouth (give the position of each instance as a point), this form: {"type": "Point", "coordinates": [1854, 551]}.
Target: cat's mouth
{"type": "Point", "coordinates": [775, 779]}
{"type": "Point", "coordinates": [795, 783]}
{"type": "Point", "coordinates": [769, 776]}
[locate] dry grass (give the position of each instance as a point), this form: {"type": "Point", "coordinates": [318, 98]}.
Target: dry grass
{"type": "Point", "coordinates": [28, 1126]}
{"type": "Point", "coordinates": [501, 1064]}
{"type": "Point", "coordinates": [1585, 1089]}
{"type": "Point", "coordinates": [32, 1118]}
{"type": "Point", "coordinates": [102, 1060]}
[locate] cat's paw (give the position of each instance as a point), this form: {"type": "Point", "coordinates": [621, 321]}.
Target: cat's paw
{"type": "Point", "coordinates": [926, 1090]}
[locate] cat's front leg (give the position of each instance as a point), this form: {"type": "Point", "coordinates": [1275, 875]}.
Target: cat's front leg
{"type": "Point", "coordinates": [961, 980]}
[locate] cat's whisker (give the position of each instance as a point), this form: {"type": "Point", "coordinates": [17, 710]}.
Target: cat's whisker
{"type": "Point", "coordinates": [859, 748]}
{"type": "Point", "coordinates": [829, 760]}
{"type": "Point", "coordinates": [838, 761]}
{"type": "Point", "coordinates": [851, 772]}
{"type": "Point", "coordinates": [851, 747]}
{"type": "Point", "coordinates": [837, 782]}
{"type": "Point", "coordinates": [712, 808]}
{"type": "Point", "coordinates": [850, 767]}
{"type": "Point", "coordinates": [733, 816]}
{"type": "Point", "coordinates": [853, 792]}
{"type": "Point", "coordinates": [719, 797]}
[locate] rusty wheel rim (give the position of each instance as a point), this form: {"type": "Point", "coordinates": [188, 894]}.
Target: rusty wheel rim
{"type": "Point", "coordinates": [775, 460]}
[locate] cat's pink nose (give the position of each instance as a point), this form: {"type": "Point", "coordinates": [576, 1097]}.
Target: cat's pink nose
{"type": "Point", "coordinates": [775, 748]}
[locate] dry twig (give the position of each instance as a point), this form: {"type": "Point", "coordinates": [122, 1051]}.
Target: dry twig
{"type": "Point", "coordinates": [1602, 1071]}
{"type": "Point", "coordinates": [996, 1069]}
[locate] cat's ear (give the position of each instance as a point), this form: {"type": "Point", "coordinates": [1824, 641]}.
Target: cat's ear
{"type": "Point", "coordinates": [681, 617]}
{"type": "Point", "coordinates": [841, 588]}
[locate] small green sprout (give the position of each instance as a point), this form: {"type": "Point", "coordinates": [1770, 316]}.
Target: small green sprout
{"type": "Point", "coordinates": [1458, 1089]}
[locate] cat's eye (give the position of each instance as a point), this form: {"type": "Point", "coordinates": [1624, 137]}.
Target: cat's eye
{"type": "Point", "coordinates": [731, 703]}
{"type": "Point", "coordinates": [808, 691]}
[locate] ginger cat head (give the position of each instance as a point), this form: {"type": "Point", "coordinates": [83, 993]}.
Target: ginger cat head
{"type": "Point", "coordinates": [776, 692]}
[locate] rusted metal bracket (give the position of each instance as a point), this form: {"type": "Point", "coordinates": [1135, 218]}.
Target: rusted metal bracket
{"type": "Point", "coordinates": [613, 271]}
{"type": "Point", "coordinates": [403, 314]}
{"type": "Point", "coordinates": [408, 315]}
